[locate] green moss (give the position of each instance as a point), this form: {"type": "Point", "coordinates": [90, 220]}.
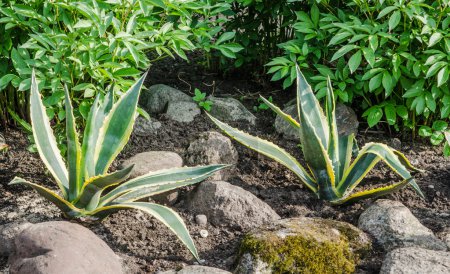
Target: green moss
{"type": "Point", "coordinates": [301, 254]}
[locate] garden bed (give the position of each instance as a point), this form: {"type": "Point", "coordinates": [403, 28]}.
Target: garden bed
{"type": "Point", "coordinates": [147, 246]}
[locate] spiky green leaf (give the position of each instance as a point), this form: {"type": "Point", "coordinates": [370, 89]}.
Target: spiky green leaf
{"type": "Point", "coordinates": [45, 140]}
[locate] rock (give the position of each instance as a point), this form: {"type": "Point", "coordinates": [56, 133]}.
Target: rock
{"type": "Point", "coordinates": [286, 129]}
{"type": "Point", "coordinates": [204, 233]}
{"type": "Point", "coordinates": [157, 97]}
{"type": "Point", "coordinates": [393, 225]}
{"type": "Point", "coordinates": [212, 148]}
{"type": "Point", "coordinates": [183, 112]}
{"type": "Point", "coordinates": [144, 127]}
{"type": "Point", "coordinates": [201, 219]}
{"type": "Point", "coordinates": [224, 203]}
{"type": "Point", "coordinates": [302, 245]}
{"type": "Point", "coordinates": [61, 247]}
{"type": "Point", "coordinates": [196, 269]}
{"type": "Point", "coordinates": [346, 120]}
{"type": "Point", "coordinates": [445, 236]}
{"type": "Point", "coordinates": [7, 234]}
{"type": "Point", "coordinates": [415, 260]}
{"type": "Point", "coordinates": [230, 110]}
{"type": "Point", "coordinates": [395, 143]}
{"type": "Point", "coordinates": [146, 162]}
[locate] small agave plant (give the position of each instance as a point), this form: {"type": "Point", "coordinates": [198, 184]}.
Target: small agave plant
{"type": "Point", "coordinates": [87, 190]}
{"type": "Point", "coordinates": [331, 174]}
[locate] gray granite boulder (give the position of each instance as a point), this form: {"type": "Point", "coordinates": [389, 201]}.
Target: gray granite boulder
{"type": "Point", "coordinates": [183, 112]}
{"type": "Point", "coordinates": [212, 148]}
{"type": "Point", "coordinates": [157, 97]}
{"type": "Point", "coordinates": [226, 204]}
{"type": "Point", "coordinates": [146, 162]}
{"type": "Point", "coordinates": [230, 110]}
{"type": "Point", "coordinates": [416, 260]}
{"type": "Point", "coordinates": [62, 247]}
{"type": "Point", "coordinates": [393, 225]}
{"type": "Point", "coordinates": [144, 127]}
{"type": "Point", "coordinates": [7, 234]}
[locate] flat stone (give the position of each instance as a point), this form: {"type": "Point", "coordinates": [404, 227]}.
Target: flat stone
{"type": "Point", "coordinates": [144, 127]}
{"type": "Point", "coordinates": [149, 161]}
{"type": "Point", "coordinates": [230, 110]}
{"type": "Point", "coordinates": [183, 112]}
{"type": "Point", "coordinates": [212, 148]}
{"type": "Point", "coordinates": [416, 260]}
{"type": "Point", "coordinates": [196, 269]}
{"type": "Point", "coordinates": [61, 247]}
{"type": "Point", "coordinates": [201, 219]}
{"type": "Point", "coordinates": [226, 204]}
{"type": "Point", "coordinates": [157, 97]}
{"type": "Point", "coordinates": [7, 234]}
{"type": "Point", "coordinates": [393, 225]}
{"type": "Point", "coordinates": [302, 245]}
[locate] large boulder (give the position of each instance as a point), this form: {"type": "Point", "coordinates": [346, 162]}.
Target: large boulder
{"type": "Point", "coordinates": [144, 127]}
{"type": "Point", "coordinates": [226, 204]}
{"type": "Point", "coordinates": [183, 112]}
{"type": "Point", "coordinates": [146, 162]}
{"type": "Point", "coordinates": [346, 120]}
{"type": "Point", "coordinates": [393, 225]}
{"type": "Point", "coordinates": [416, 260]}
{"type": "Point", "coordinates": [230, 110]}
{"type": "Point", "coordinates": [62, 247]}
{"type": "Point", "coordinates": [196, 269]}
{"type": "Point", "coordinates": [157, 97]}
{"type": "Point", "coordinates": [212, 148]}
{"type": "Point", "coordinates": [7, 234]}
{"type": "Point", "coordinates": [302, 245]}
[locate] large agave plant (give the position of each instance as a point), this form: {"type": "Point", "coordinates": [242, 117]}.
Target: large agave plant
{"type": "Point", "coordinates": [87, 190]}
{"type": "Point", "coordinates": [332, 175]}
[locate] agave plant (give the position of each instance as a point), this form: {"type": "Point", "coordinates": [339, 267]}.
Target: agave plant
{"type": "Point", "coordinates": [87, 190]}
{"type": "Point", "coordinates": [332, 175]}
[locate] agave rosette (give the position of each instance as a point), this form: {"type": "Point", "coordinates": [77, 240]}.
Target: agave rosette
{"type": "Point", "coordinates": [331, 173]}
{"type": "Point", "coordinates": [86, 187]}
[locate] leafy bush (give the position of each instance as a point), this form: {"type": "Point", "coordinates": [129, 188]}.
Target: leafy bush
{"type": "Point", "coordinates": [392, 56]}
{"type": "Point", "coordinates": [87, 189]}
{"type": "Point", "coordinates": [90, 44]}
{"type": "Point", "coordinates": [331, 174]}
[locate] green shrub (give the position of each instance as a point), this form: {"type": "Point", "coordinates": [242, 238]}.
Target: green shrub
{"type": "Point", "coordinates": [89, 44]}
{"type": "Point", "coordinates": [392, 56]}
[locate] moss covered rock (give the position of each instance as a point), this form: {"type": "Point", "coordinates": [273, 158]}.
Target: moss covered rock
{"type": "Point", "coordinates": [303, 245]}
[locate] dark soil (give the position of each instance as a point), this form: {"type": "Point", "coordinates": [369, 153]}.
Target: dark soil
{"type": "Point", "coordinates": [147, 246]}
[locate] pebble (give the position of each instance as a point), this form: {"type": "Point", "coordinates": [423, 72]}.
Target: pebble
{"type": "Point", "coordinates": [204, 233]}
{"type": "Point", "coordinates": [201, 219]}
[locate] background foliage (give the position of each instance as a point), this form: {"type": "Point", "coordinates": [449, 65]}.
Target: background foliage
{"type": "Point", "coordinates": [391, 58]}
{"type": "Point", "coordinates": [90, 45]}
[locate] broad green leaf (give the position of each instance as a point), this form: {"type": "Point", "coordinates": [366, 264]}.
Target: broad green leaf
{"type": "Point", "coordinates": [442, 76]}
{"type": "Point", "coordinates": [45, 140]}
{"type": "Point", "coordinates": [389, 111]}
{"type": "Point", "coordinates": [355, 61]}
{"type": "Point", "coordinates": [434, 39]}
{"type": "Point", "coordinates": [225, 37]}
{"type": "Point", "coordinates": [386, 11]}
{"type": "Point", "coordinates": [342, 51]}
{"type": "Point", "coordinates": [270, 150]}
{"type": "Point", "coordinates": [394, 19]}
{"type": "Point", "coordinates": [117, 128]}
{"type": "Point", "coordinates": [369, 55]}
{"type": "Point", "coordinates": [73, 149]}
{"type": "Point", "coordinates": [165, 215]}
